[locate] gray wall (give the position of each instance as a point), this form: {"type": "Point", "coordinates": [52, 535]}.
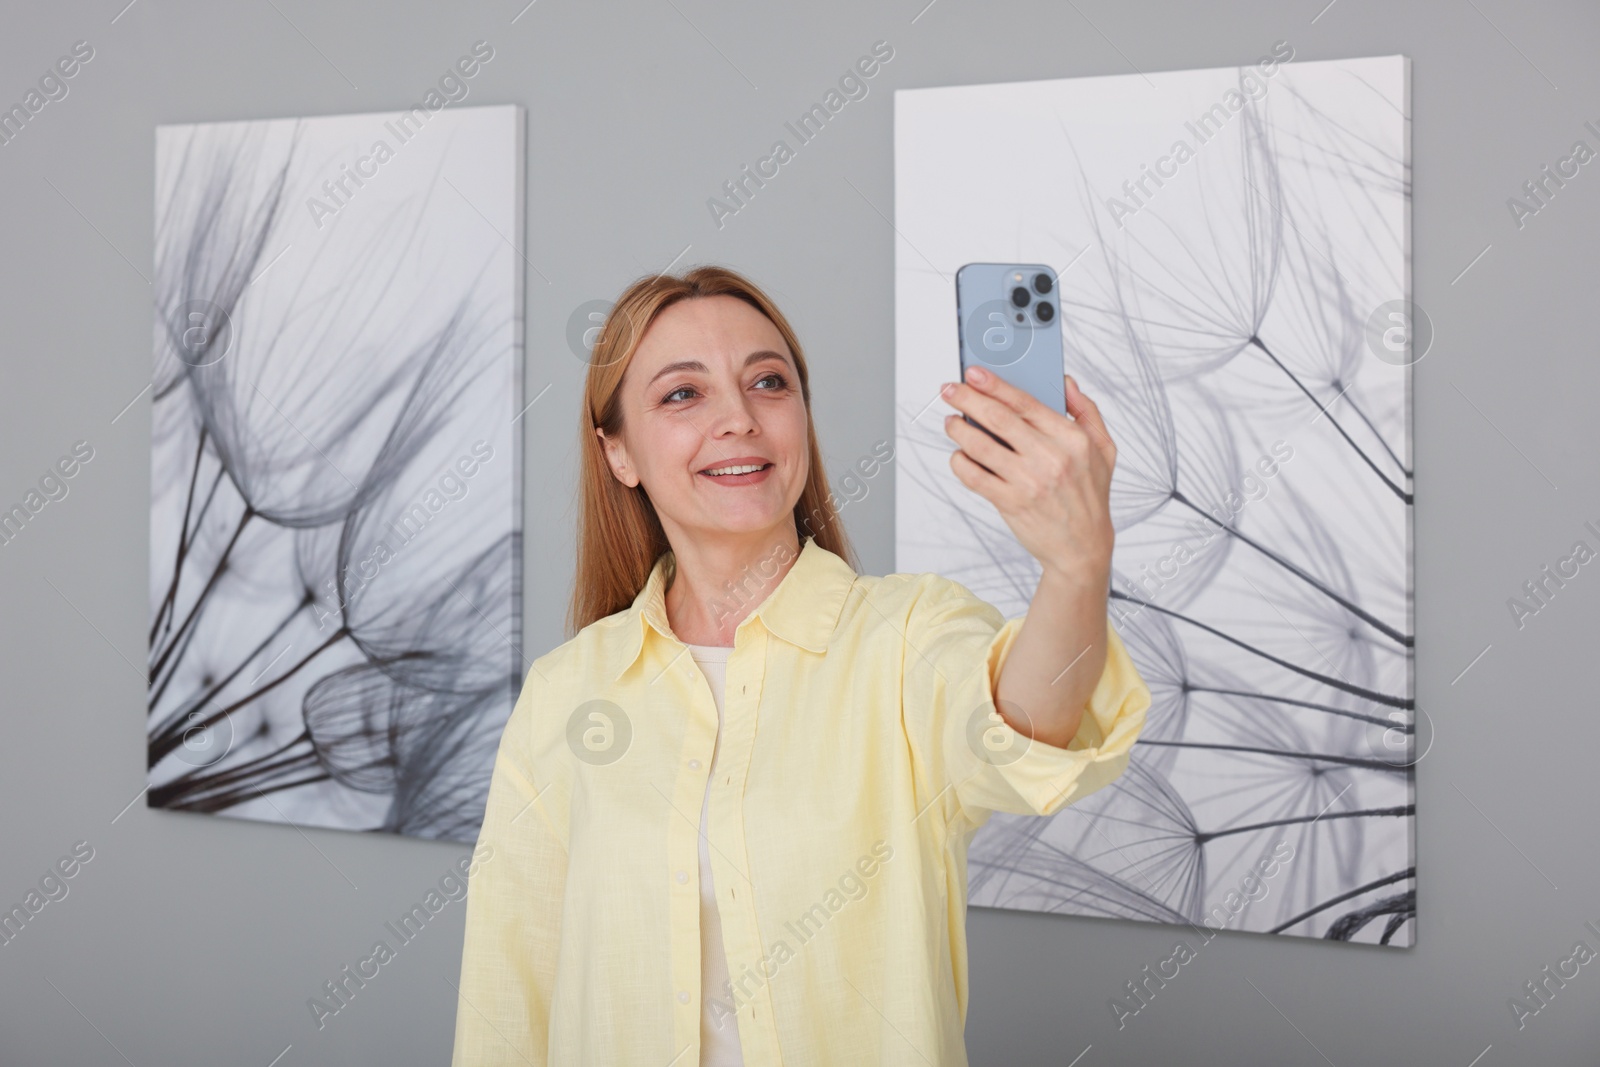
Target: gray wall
{"type": "Point", "coordinates": [192, 939]}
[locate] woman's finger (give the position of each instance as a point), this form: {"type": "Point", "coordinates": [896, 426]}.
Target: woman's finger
{"type": "Point", "coordinates": [1038, 414]}
{"type": "Point", "coordinates": [1014, 397]}
{"type": "Point", "coordinates": [974, 477]}
{"type": "Point", "coordinates": [998, 416]}
{"type": "Point", "coordinates": [983, 448]}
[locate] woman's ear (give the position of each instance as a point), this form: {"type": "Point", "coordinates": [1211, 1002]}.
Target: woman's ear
{"type": "Point", "coordinates": [616, 454]}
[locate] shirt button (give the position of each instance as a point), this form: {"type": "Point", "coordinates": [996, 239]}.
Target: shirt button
{"type": "Point", "coordinates": [683, 996]}
{"type": "Point", "coordinates": [694, 765]}
{"type": "Point", "coordinates": [683, 876]}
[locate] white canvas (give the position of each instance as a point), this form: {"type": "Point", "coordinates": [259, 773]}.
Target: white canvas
{"type": "Point", "coordinates": [1243, 325]}
{"type": "Point", "coordinates": [335, 517]}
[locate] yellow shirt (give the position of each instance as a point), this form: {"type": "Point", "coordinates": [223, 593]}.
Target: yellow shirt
{"type": "Point", "coordinates": [860, 752]}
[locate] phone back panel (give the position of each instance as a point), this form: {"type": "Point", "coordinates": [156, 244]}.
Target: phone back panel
{"type": "Point", "coordinates": [1012, 339]}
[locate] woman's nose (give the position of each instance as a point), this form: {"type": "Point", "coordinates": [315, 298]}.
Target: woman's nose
{"type": "Point", "coordinates": [732, 414]}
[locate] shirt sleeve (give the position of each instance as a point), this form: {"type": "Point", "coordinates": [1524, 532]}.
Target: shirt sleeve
{"type": "Point", "coordinates": [513, 922]}
{"type": "Point", "coordinates": [956, 646]}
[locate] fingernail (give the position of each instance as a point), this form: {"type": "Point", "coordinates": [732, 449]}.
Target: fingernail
{"type": "Point", "coordinates": [977, 374]}
{"type": "Point", "coordinates": [947, 388]}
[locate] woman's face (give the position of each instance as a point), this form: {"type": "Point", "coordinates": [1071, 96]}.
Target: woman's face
{"type": "Point", "coordinates": [712, 386]}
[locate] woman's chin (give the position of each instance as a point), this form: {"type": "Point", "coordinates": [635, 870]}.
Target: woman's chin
{"type": "Point", "coordinates": [745, 520]}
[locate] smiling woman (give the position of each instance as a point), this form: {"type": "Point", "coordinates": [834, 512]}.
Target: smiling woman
{"type": "Point", "coordinates": [705, 454]}
{"type": "Point", "coordinates": [821, 717]}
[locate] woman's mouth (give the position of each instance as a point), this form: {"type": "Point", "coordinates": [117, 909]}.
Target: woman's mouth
{"type": "Point", "coordinates": [739, 473]}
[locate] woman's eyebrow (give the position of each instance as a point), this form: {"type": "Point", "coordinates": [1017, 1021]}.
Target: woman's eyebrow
{"type": "Point", "coordinates": [696, 365]}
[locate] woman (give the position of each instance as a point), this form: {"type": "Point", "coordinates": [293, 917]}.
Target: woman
{"type": "Point", "coordinates": [729, 818]}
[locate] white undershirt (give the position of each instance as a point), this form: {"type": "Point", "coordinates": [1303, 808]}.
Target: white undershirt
{"type": "Point", "coordinates": [719, 1046]}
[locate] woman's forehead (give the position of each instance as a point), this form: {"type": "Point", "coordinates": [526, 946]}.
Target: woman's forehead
{"type": "Point", "coordinates": [711, 330]}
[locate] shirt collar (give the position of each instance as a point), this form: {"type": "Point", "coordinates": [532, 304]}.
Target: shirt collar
{"type": "Point", "coordinates": [803, 609]}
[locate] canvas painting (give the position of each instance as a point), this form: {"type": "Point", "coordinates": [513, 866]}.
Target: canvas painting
{"type": "Point", "coordinates": [335, 513]}
{"type": "Point", "coordinates": [1232, 248]}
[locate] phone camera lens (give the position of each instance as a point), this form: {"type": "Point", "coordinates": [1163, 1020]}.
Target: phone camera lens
{"type": "Point", "coordinates": [1044, 311]}
{"type": "Point", "coordinates": [1041, 283]}
{"type": "Point", "coordinates": [1019, 297]}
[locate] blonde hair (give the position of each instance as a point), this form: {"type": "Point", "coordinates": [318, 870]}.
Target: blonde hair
{"type": "Point", "coordinates": [620, 537]}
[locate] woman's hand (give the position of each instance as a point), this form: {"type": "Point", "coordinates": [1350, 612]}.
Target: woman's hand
{"type": "Point", "coordinates": [1054, 490]}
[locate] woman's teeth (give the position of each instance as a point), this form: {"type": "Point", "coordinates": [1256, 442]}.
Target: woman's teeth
{"type": "Point", "coordinates": [747, 468]}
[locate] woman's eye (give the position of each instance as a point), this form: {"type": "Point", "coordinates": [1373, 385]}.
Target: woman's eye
{"type": "Point", "coordinates": [686, 392]}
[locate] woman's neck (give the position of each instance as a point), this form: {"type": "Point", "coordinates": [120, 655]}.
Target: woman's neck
{"type": "Point", "coordinates": [714, 586]}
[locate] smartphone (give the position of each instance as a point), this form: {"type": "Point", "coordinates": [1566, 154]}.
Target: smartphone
{"type": "Point", "coordinates": [1009, 316]}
